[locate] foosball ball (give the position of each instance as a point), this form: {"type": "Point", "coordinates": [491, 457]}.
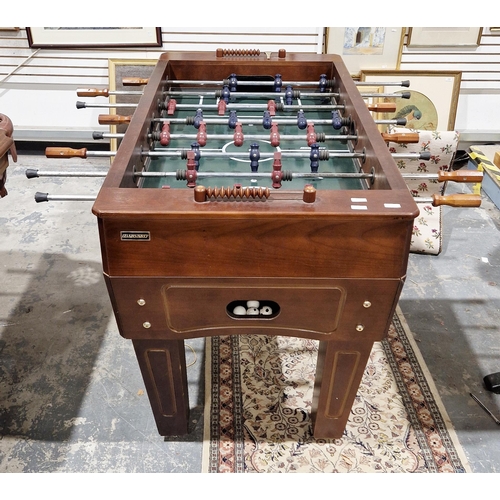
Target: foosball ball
{"type": "Point", "coordinates": [253, 194]}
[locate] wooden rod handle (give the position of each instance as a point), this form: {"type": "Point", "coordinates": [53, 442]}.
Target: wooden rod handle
{"type": "Point", "coordinates": [462, 175]}
{"type": "Point", "coordinates": [56, 152]}
{"type": "Point", "coordinates": [134, 81]}
{"type": "Point", "coordinates": [114, 119]}
{"type": "Point", "coordinates": [92, 92]}
{"type": "Point", "coordinates": [382, 107]}
{"type": "Point", "coordinates": [402, 138]}
{"type": "Point", "coordinates": [456, 200]}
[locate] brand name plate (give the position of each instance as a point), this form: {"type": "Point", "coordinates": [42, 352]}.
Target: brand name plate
{"type": "Point", "coordinates": [135, 235]}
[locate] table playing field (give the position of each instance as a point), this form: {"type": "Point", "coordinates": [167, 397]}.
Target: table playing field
{"type": "Point", "coordinates": [221, 154]}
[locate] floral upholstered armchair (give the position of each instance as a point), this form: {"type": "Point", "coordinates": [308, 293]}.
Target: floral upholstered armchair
{"type": "Point", "coordinates": [427, 230]}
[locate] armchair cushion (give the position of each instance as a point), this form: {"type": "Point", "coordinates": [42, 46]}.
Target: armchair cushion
{"type": "Point", "coordinates": [426, 237]}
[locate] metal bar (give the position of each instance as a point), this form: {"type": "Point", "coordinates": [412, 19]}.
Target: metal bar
{"type": "Point", "coordinates": [82, 104]}
{"type": "Point", "coordinates": [295, 175]}
{"type": "Point", "coordinates": [260, 95]}
{"type": "Point", "coordinates": [258, 107]}
{"type": "Point", "coordinates": [484, 408]}
{"type": "Point", "coordinates": [246, 154]}
{"type": "Point", "coordinates": [255, 83]}
{"type": "Point", "coordinates": [403, 95]}
{"type": "Point", "coordinates": [40, 197]}
{"type": "Point", "coordinates": [32, 173]}
{"type": "Point", "coordinates": [404, 83]}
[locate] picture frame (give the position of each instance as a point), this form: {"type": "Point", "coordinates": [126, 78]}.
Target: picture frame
{"type": "Point", "coordinates": [436, 92]}
{"type": "Point", "coordinates": [433, 37]}
{"type": "Point", "coordinates": [117, 70]}
{"type": "Point", "coordinates": [359, 52]}
{"type": "Point", "coordinates": [64, 38]}
{"type": "Point", "coordinates": [373, 92]}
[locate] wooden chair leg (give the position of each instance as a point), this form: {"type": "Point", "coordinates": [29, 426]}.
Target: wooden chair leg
{"type": "Point", "coordinates": [163, 367]}
{"type": "Point", "coordinates": [339, 370]}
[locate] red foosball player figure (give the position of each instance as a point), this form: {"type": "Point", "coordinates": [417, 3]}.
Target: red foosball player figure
{"type": "Point", "coordinates": [6, 145]}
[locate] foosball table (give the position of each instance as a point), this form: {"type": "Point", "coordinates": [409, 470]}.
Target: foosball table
{"type": "Point", "coordinates": [253, 193]}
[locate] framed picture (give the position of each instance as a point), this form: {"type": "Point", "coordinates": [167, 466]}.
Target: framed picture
{"type": "Point", "coordinates": [119, 69]}
{"type": "Point", "coordinates": [60, 38]}
{"type": "Point", "coordinates": [371, 95]}
{"type": "Point", "coordinates": [433, 96]}
{"type": "Point", "coordinates": [366, 48]}
{"type": "Point", "coordinates": [444, 37]}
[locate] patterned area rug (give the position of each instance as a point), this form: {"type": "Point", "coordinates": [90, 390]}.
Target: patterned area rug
{"type": "Point", "coordinates": [259, 392]}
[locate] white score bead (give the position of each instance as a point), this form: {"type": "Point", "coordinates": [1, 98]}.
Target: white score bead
{"type": "Point", "coordinates": [266, 311]}
{"type": "Point", "coordinates": [252, 311]}
{"type": "Point", "coordinates": [253, 303]}
{"type": "Point", "coordinates": [239, 311]}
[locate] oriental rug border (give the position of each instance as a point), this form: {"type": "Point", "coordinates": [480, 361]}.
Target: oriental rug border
{"type": "Point", "coordinates": [397, 424]}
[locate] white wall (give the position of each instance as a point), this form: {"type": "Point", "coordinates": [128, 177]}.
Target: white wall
{"type": "Point", "coordinates": [479, 99]}
{"type": "Point", "coordinates": [38, 88]}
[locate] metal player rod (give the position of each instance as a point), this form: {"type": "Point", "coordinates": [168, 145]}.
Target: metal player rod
{"type": "Point", "coordinates": [396, 121]}
{"type": "Point", "coordinates": [472, 176]}
{"type": "Point", "coordinates": [258, 121]}
{"type": "Point", "coordinates": [263, 154]}
{"type": "Point", "coordinates": [39, 197]}
{"type": "Point", "coordinates": [273, 95]}
{"type": "Point", "coordinates": [81, 105]}
{"type": "Point", "coordinates": [229, 106]}
{"type": "Point", "coordinates": [242, 106]}
{"type": "Point", "coordinates": [31, 173]}
{"type": "Point", "coordinates": [404, 83]}
{"type": "Point", "coordinates": [258, 95]}
{"type": "Point", "coordinates": [263, 175]}
{"type": "Point", "coordinates": [386, 107]}
{"type": "Point", "coordinates": [54, 152]}
{"type": "Point", "coordinates": [253, 83]}
{"type": "Point", "coordinates": [453, 200]}
{"type": "Point", "coordinates": [260, 107]}
{"type": "Point", "coordinates": [243, 121]}
{"type": "Point", "coordinates": [320, 138]}
{"type": "Point", "coordinates": [107, 135]}
{"type": "Point", "coordinates": [425, 155]}
{"type": "Point", "coordinates": [403, 95]}
{"type": "Point", "coordinates": [250, 137]}
{"type": "Point", "coordinates": [96, 92]}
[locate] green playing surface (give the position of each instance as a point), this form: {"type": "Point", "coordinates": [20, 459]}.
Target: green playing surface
{"type": "Point", "coordinates": [230, 159]}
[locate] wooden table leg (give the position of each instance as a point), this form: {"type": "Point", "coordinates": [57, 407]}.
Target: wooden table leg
{"type": "Point", "coordinates": [339, 371]}
{"type": "Point", "coordinates": [163, 367]}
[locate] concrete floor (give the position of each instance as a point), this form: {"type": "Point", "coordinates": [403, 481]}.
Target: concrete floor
{"type": "Point", "coordinates": [71, 394]}
{"type": "Point", "coordinates": [452, 305]}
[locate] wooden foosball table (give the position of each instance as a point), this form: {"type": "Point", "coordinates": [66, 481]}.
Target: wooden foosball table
{"type": "Point", "coordinates": [253, 194]}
